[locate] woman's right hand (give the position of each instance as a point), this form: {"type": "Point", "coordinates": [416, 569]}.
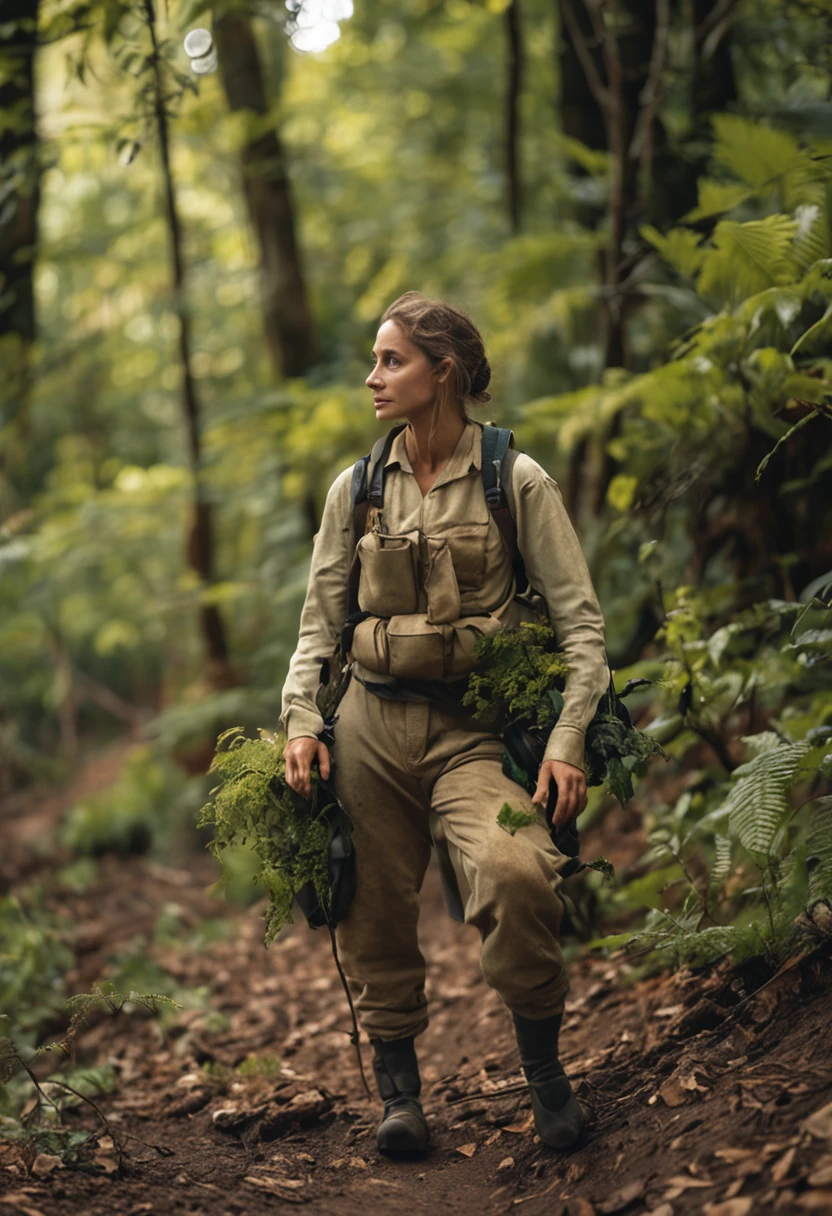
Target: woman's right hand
{"type": "Point", "coordinates": [299, 754]}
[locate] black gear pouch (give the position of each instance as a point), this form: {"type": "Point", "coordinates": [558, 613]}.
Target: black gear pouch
{"type": "Point", "coordinates": [342, 884]}
{"type": "Point", "coordinates": [343, 874]}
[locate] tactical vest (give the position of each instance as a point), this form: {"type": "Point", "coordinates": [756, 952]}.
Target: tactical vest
{"type": "Point", "coordinates": [407, 615]}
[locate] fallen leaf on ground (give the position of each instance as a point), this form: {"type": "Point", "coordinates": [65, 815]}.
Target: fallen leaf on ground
{"type": "Point", "coordinates": [816, 1201]}
{"type": "Point", "coordinates": [782, 1167]}
{"type": "Point", "coordinates": [732, 1207]}
{"type": "Point", "coordinates": [520, 1128]}
{"type": "Point", "coordinates": [686, 1182]}
{"type": "Point", "coordinates": [819, 1124]}
{"type": "Point", "coordinates": [821, 1175]}
{"type": "Point", "coordinates": [733, 1155]}
{"type": "Point", "coordinates": [672, 1093]}
{"type": "Point", "coordinates": [507, 1163]}
{"type": "Point", "coordinates": [621, 1199]}
{"type": "Point", "coordinates": [44, 1164]}
{"type": "Point", "coordinates": [692, 1083]}
{"type": "Point", "coordinates": [275, 1186]}
{"type": "Point", "coordinates": [20, 1201]}
{"type": "Point", "coordinates": [467, 1150]}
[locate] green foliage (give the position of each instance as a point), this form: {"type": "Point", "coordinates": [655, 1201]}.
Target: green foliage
{"type": "Point", "coordinates": [32, 1106]}
{"type": "Point", "coordinates": [521, 679]}
{"type": "Point", "coordinates": [252, 804]}
{"type": "Point", "coordinates": [139, 810]}
{"type": "Point", "coordinates": [520, 675]}
{"type": "Point", "coordinates": [751, 841]}
{"type": "Point", "coordinates": [33, 962]}
{"type": "Point", "coordinates": [511, 821]}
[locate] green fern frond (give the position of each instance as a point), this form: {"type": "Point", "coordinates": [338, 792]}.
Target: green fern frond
{"type": "Point", "coordinates": [819, 850]}
{"type": "Point", "coordinates": [723, 851]}
{"type": "Point", "coordinates": [758, 803]}
{"type": "Point", "coordinates": [747, 258]}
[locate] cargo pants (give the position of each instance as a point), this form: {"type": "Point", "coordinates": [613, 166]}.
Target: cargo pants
{"type": "Point", "coordinates": [395, 761]}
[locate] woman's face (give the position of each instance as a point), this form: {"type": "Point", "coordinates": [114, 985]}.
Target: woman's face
{"type": "Point", "coordinates": [403, 382]}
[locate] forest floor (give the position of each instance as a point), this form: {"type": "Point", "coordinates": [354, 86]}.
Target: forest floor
{"type": "Point", "coordinates": [705, 1092]}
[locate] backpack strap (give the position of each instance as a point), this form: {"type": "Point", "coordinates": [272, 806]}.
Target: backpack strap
{"type": "Point", "coordinates": [367, 490]}
{"type": "Point", "coordinates": [498, 457]}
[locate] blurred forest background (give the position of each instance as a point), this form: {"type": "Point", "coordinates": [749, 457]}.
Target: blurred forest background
{"type": "Point", "coordinates": [633, 199]}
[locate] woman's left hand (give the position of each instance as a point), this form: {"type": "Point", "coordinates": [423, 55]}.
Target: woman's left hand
{"type": "Point", "coordinates": [571, 783]}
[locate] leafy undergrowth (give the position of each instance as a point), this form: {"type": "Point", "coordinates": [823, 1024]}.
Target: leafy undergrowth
{"type": "Point", "coordinates": [703, 1088]}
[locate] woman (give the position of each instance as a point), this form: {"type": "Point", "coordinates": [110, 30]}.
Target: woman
{"type": "Point", "coordinates": [434, 566]}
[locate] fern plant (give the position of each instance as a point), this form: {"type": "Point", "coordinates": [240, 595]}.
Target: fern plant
{"type": "Point", "coordinates": [751, 848]}
{"type": "Point", "coordinates": [253, 805]}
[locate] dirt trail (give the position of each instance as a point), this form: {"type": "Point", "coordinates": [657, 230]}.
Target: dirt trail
{"type": "Point", "coordinates": [698, 1090]}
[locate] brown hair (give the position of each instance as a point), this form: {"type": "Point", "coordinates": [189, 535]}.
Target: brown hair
{"type": "Point", "coordinates": [443, 331]}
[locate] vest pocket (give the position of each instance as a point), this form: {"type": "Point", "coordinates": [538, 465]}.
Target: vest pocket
{"type": "Point", "coordinates": [411, 648]}
{"type": "Point", "coordinates": [417, 649]}
{"type": "Point", "coordinates": [388, 584]}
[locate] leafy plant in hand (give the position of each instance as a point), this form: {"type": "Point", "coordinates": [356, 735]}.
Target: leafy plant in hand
{"type": "Point", "coordinates": [254, 805]}
{"type": "Point", "coordinates": [520, 684]}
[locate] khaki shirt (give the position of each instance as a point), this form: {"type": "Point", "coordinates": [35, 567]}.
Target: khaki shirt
{"type": "Point", "coordinates": [555, 566]}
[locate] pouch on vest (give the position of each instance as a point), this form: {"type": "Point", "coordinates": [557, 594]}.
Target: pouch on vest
{"type": "Point", "coordinates": [441, 588]}
{"type": "Point", "coordinates": [388, 585]}
{"type": "Point", "coordinates": [410, 647]}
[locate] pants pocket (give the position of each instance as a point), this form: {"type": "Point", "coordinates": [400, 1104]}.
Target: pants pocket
{"type": "Point", "coordinates": [388, 584]}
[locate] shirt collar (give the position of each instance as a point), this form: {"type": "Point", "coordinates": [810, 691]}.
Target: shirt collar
{"type": "Point", "coordinates": [466, 455]}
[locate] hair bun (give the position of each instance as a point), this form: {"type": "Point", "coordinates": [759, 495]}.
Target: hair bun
{"type": "Point", "coordinates": [481, 378]}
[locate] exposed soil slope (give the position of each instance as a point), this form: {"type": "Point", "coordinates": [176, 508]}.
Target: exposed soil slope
{"type": "Point", "coordinates": [703, 1095]}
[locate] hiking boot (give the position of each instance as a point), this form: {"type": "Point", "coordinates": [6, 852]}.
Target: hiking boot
{"type": "Point", "coordinates": [403, 1128]}
{"type": "Point", "coordinates": [558, 1116]}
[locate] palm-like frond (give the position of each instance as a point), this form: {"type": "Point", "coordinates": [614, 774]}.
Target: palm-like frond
{"type": "Point", "coordinates": [758, 803]}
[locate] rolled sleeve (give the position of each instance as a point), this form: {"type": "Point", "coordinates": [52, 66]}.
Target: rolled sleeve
{"type": "Point", "coordinates": [556, 567]}
{"type": "Point", "coordinates": [323, 613]}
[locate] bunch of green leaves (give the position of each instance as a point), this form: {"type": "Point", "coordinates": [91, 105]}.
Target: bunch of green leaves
{"type": "Point", "coordinates": [32, 1106]}
{"type": "Point", "coordinates": [520, 680]}
{"type": "Point", "coordinates": [253, 805]}
{"type": "Point", "coordinates": [520, 676]}
{"type": "Point", "coordinates": [743, 857]}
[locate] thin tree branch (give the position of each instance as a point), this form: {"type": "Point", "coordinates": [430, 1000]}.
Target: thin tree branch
{"type": "Point", "coordinates": [721, 10]}
{"type": "Point", "coordinates": [651, 95]}
{"type": "Point", "coordinates": [599, 90]}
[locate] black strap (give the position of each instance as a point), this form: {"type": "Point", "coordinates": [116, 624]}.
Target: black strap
{"type": "Point", "coordinates": [495, 443]}
{"type": "Point", "coordinates": [497, 464]}
{"type": "Point", "coordinates": [375, 491]}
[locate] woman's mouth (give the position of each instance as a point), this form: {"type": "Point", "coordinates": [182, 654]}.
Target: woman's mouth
{"type": "Point", "coordinates": [381, 401]}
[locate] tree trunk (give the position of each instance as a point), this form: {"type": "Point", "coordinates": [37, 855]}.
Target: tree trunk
{"type": "Point", "coordinates": [288, 323]}
{"type": "Point", "coordinates": [200, 546]}
{"type": "Point", "coordinates": [19, 170]}
{"type": "Point", "coordinates": [289, 326]}
{"type": "Point", "coordinates": [514, 84]}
